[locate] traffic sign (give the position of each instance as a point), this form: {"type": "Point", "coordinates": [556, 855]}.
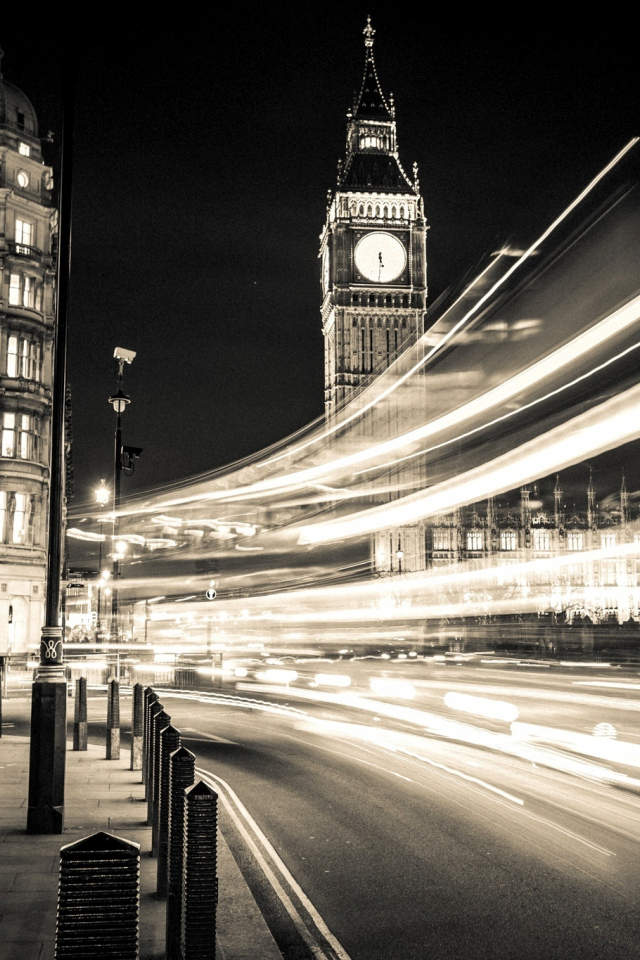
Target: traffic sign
{"type": "Point", "coordinates": [210, 594]}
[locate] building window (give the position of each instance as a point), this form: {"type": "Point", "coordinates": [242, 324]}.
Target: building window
{"type": "Point", "coordinates": [20, 119]}
{"type": "Point", "coordinates": [24, 232]}
{"type": "Point", "coordinates": [22, 291]}
{"type": "Point", "coordinates": [20, 519]}
{"type": "Point", "coordinates": [8, 434]}
{"type": "Point", "coordinates": [541, 540]}
{"type": "Point", "coordinates": [14, 289]}
{"type": "Point", "coordinates": [24, 149]}
{"type": "Point", "coordinates": [27, 439]}
{"type": "Point", "coordinates": [442, 538]}
{"type": "Point", "coordinates": [609, 573]}
{"type": "Point", "coordinates": [23, 179]}
{"type": "Point", "coordinates": [607, 539]}
{"type": "Point", "coordinates": [474, 540]}
{"type": "Point", "coordinates": [574, 540]}
{"type": "Point", "coordinates": [24, 358]}
{"type": "Point", "coordinates": [508, 540]}
{"type": "Point", "coordinates": [15, 517]}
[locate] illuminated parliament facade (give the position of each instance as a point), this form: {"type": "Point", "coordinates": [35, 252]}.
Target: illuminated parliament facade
{"type": "Point", "coordinates": [374, 306]}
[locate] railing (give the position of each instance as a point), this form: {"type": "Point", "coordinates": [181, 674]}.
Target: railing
{"type": "Point", "coordinates": [24, 250]}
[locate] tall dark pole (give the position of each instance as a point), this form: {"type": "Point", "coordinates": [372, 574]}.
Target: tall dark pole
{"type": "Point", "coordinates": [49, 691]}
{"type": "Point", "coordinates": [119, 401]}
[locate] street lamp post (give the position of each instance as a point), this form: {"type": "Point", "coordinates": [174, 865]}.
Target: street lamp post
{"type": "Point", "coordinates": [119, 401]}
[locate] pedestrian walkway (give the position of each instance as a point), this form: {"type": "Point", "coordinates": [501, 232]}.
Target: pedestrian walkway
{"type": "Point", "coordinates": [104, 795]}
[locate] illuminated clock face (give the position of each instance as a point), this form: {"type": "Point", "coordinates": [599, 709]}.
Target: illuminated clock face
{"type": "Point", "coordinates": [380, 257]}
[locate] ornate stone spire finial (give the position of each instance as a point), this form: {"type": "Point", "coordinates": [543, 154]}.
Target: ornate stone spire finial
{"type": "Point", "coordinates": [368, 34]}
{"type": "Point", "coordinates": [416, 181]}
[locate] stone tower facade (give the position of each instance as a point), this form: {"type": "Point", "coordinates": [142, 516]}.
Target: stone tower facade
{"type": "Point", "coordinates": [373, 253]}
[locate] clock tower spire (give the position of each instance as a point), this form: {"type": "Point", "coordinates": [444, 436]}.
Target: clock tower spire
{"type": "Point", "coordinates": [372, 247]}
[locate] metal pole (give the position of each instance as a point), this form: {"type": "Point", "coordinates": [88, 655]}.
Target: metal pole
{"type": "Point", "coordinates": [49, 692]}
{"type": "Point", "coordinates": [117, 475]}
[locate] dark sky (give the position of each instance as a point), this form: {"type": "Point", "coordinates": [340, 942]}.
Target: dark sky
{"type": "Point", "coordinates": [203, 153]}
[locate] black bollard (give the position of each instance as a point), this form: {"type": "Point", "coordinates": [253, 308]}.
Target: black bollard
{"type": "Point", "coordinates": [169, 742]}
{"type": "Point", "coordinates": [99, 899]}
{"type": "Point", "coordinates": [155, 707]}
{"type": "Point", "coordinates": [160, 721]}
{"type": "Point", "coordinates": [148, 697]}
{"type": "Point", "coordinates": [80, 715]}
{"type": "Point", "coordinates": [136, 727]}
{"type": "Point", "coordinates": [182, 766]}
{"type": "Point", "coordinates": [199, 873]}
{"type": "Point", "coordinates": [113, 719]}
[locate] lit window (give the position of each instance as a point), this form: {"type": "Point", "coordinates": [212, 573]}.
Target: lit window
{"type": "Point", "coordinates": [28, 292]}
{"type": "Point", "coordinates": [14, 289]}
{"type": "Point", "coordinates": [24, 358]}
{"type": "Point", "coordinates": [474, 540]}
{"type": "Point", "coordinates": [574, 540]}
{"type": "Point", "coordinates": [12, 357]}
{"type": "Point", "coordinates": [609, 573]}
{"type": "Point", "coordinates": [607, 539]}
{"type": "Point", "coordinates": [20, 519]}
{"type": "Point", "coordinates": [441, 539]}
{"type": "Point", "coordinates": [24, 149]}
{"type": "Point", "coordinates": [508, 540]}
{"type": "Point", "coordinates": [24, 232]}
{"type": "Point", "coordinates": [541, 540]}
{"type": "Point", "coordinates": [27, 437]}
{"type": "Point", "coordinates": [8, 434]}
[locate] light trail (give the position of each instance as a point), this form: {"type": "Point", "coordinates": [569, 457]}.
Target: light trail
{"type": "Point", "coordinates": [609, 425]}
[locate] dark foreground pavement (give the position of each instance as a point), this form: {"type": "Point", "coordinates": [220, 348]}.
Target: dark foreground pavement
{"type": "Point", "coordinates": [104, 795]}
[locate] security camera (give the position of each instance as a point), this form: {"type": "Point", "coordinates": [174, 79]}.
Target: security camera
{"type": "Point", "coordinates": [132, 451]}
{"type": "Point", "coordinates": [125, 356]}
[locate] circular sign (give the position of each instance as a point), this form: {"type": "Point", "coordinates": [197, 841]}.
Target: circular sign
{"type": "Point", "coordinates": [210, 594]}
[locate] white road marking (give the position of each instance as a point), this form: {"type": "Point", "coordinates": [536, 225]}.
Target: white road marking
{"type": "Point", "coordinates": [297, 920]}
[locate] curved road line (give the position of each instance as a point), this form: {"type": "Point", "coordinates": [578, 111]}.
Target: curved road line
{"type": "Point", "coordinates": [337, 950]}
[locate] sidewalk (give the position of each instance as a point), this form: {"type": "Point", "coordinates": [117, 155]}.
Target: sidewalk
{"type": "Point", "coordinates": [100, 795]}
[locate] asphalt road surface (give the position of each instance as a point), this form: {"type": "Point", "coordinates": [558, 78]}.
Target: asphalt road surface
{"type": "Point", "coordinates": [368, 831]}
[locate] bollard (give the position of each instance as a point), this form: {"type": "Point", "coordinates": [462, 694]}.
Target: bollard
{"type": "Point", "coordinates": [99, 899]}
{"type": "Point", "coordinates": [182, 764]}
{"type": "Point", "coordinates": [160, 721]}
{"type": "Point", "coordinates": [199, 873]}
{"type": "Point", "coordinates": [169, 742]}
{"type": "Point", "coordinates": [80, 715]}
{"type": "Point", "coordinates": [149, 696]}
{"type": "Point", "coordinates": [155, 707]}
{"type": "Point", "coordinates": [113, 719]}
{"type": "Point", "coordinates": [136, 727]}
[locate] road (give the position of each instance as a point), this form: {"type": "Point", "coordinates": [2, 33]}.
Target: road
{"type": "Point", "coordinates": [391, 843]}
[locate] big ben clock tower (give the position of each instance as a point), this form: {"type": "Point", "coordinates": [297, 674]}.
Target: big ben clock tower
{"type": "Point", "coordinates": [374, 281]}
{"type": "Point", "coordinates": [373, 247]}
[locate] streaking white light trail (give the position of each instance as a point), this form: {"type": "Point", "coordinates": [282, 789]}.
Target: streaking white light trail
{"type": "Point", "coordinates": [608, 425]}
{"type": "Point", "coordinates": [616, 323]}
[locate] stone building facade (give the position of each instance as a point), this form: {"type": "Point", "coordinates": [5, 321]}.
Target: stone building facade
{"type": "Point", "coordinates": [27, 238]}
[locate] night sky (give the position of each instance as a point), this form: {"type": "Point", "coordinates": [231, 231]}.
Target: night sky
{"type": "Point", "coordinates": [203, 153]}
